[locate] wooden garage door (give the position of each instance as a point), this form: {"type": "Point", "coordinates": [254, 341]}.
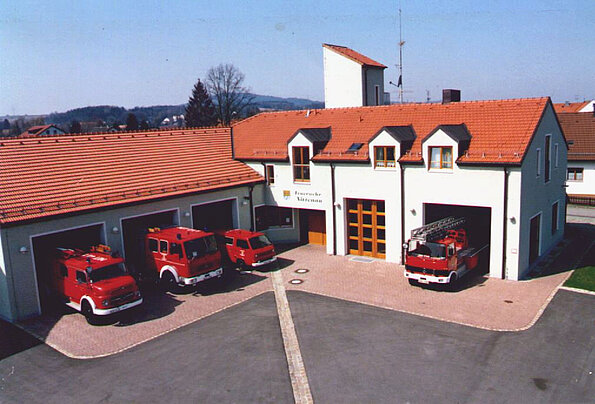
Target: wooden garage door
{"type": "Point", "coordinates": [367, 227]}
{"type": "Point", "coordinates": [316, 227]}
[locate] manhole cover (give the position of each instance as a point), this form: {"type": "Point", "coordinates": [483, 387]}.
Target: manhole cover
{"type": "Point", "coordinates": [296, 281]}
{"type": "Point", "coordinates": [302, 271]}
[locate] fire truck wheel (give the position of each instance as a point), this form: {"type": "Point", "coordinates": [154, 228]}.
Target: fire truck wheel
{"type": "Point", "coordinates": [241, 264]}
{"type": "Point", "coordinates": [88, 313]}
{"type": "Point", "coordinates": [168, 282]}
{"type": "Point", "coordinates": [452, 283]}
{"type": "Point", "coordinates": [412, 282]}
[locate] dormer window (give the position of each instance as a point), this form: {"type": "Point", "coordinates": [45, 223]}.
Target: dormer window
{"type": "Point", "coordinates": [441, 158]}
{"type": "Point", "coordinates": [384, 157]}
{"type": "Point", "coordinates": [301, 164]}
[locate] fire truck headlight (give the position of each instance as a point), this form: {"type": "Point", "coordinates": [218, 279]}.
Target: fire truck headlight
{"type": "Point", "coordinates": [105, 302]}
{"type": "Point", "coordinates": [137, 293]}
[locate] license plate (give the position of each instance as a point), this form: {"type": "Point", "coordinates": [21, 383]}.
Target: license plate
{"type": "Point", "coordinates": [423, 280]}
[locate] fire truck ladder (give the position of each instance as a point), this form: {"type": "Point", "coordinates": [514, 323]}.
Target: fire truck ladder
{"type": "Point", "coordinates": [436, 230]}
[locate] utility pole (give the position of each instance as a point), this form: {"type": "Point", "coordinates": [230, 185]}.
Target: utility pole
{"type": "Point", "coordinates": [401, 43]}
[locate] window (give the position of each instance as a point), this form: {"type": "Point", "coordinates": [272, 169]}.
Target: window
{"type": "Point", "coordinates": [176, 249]}
{"type": "Point", "coordinates": [63, 271]}
{"type": "Point", "coordinates": [574, 174]}
{"type": "Point", "coordinates": [440, 157]}
{"type": "Point", "coordinates": [377, 94]}
{"type": "Point", "coordinates": [538, 162]}
{"type": "Point", "coordinates": [554, 217]}
{"type": "Point", "coordinates": [301, 164]}
{"type": "Point", "coordinates": [242, 244]}
{"type": "Point", "coordinates": [556, 154]}
{"type": "Point", "coordinates": [270, 174]}
{"type": "Point", "coordinates": [153, 245]}
{"type": "Point", "coordinates": [273, 216]}
{"type": "Point", "coordinates": [163, 246]}
{"type": "Point", "coordinates": [228, 240]}
{"type": "Point", "coordinates": [81, 277]}
{"type": "Point", "coordinates": [546, 156]}
{"type": "Point", "coordinates": [384, 156]}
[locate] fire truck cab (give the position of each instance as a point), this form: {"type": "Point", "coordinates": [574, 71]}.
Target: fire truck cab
{"type": "Point", "coordinates": [94, 282]}
{"type": "Point", "coordinates": [249, 248]}
{"type": "Point", "coordinates": [180, 256]}
{"type": "Point", "coordinates": [439, 252]}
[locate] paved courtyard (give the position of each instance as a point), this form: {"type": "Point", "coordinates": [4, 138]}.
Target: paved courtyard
{"type": "Point", "coordinates": [480, 302]}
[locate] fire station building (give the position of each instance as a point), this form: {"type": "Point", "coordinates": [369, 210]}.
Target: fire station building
{"type": "Point", "coordinates": [76, 191]}
{"type": "Point", "coordinates": [358, 180]}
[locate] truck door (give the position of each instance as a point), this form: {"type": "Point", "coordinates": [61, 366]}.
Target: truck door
{"type": "Point", "coordinates": [152, 253]}
{"type": "Point", "coordinates": [242, 250]}
{"type": "Point", "coordinates": [79, 287]}
{"type": "Point", "coordinates": [230, 249]}
{"type": "Point", "coordinates": [451, 256]}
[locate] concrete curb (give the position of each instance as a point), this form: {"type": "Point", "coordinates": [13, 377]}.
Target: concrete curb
{"type": "Point", "coordinates": [585, 292]}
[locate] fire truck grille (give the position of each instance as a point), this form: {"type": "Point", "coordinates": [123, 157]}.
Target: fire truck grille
{"type": "Point", "coordinates": [123, 298]}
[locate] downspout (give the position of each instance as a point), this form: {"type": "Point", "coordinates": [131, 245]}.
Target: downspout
{"type": "Point", "coordinates": [233, 152]}
{"type": "Point", "coordinates": [402, 172]}
{"type": "Point", "coordinates": [334, 209]}
{"type": "Point", "coordinates": [251, 207]}
{"type": "Point", "coordinates": [505, 223]}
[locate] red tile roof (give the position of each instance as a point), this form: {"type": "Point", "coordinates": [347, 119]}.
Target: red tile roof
{"type": "Point", "coordinates": [570, 106]}
{"type": "Point", "coordinates": [50, 175]}
{"type": "Point", "coordinates": [36, 130]}
{"type": "Point", "coordinates": [579, 127]}
{"type": "Point", "coordinates": [501, 130]}
{"type": "Point", "coordinates": [353, 55]}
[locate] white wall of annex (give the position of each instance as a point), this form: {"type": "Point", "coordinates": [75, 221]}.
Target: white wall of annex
{"type": "Point", "coordinates": [587, 185]}
{"type": "Point", "coordinates": [343, 85]}
{"type": "Point", "coordinates": [539, 196]}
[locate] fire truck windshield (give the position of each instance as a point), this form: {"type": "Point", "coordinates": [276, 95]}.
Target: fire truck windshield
{"type": "Point", "coordinates": [434, 250]}
{"type": "Point", "coordinates": [200, 247]}
{"type": "Point", "coordinates": [259, 242]}
{"type": "Point", "coordinates": [108, 272]}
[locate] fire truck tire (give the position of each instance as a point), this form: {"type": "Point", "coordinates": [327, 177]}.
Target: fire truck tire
{"type": "Point", "coordinates": [412, 282]}
{"type": "Point", "coordinates": [87, 311]}
{"type": "Point", "coordinates": [452, 282]}
{"type": "Point", "coordinates": [241, 264]}
{"type": "Point", "coordinates": [168, 282]}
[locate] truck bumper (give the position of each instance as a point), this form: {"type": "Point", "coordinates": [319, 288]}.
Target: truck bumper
{"type": "Point", "coordinates": [105, 312]}
{"type": "Point", "coordinates": [196, 279]}
{"type": "Point", "coordinates": [424, 278]}
{"type": "Point", "coordinates": [265, 262]}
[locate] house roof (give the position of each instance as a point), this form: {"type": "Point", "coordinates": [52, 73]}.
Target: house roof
{"type": "Point", "coordinates": [399, 133]}
{"type": "Point", "coordinates": [51, 175]}
{"type": "Point", "coordinates": [315, 135]}
{"type": "Point", "coordinates": [570, 106]}
{"type": "Point", "coordinates": [37, 130]}
{"type": "Point", "coordinates": [501, 130]}
{"type": "Point", "coordinates": [458, 133]}
{"type": "Point", "coordinates": [353, 55]}
{"type": "Point", "coordinates": [579, 128]}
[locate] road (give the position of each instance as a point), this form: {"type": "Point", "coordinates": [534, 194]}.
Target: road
{"type": "Point", "coordinates": [353, 353]}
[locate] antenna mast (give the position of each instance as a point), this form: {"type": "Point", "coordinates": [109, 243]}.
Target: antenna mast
{"type": "Point", "coordinates": [400, 65]}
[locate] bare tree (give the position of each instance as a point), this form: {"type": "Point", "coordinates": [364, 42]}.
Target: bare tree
{"type": "Point", "coordinates": [231, 98]}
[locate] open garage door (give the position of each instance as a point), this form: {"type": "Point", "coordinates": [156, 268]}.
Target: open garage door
{"type": "Point", "coordinates": [133, 235]}
{"type": "Point", "coordinates": [214, 216]}
{"type": "Point", "coordinates": [44, 251]}
{"type": "Point", "coordinates": [478, 224]}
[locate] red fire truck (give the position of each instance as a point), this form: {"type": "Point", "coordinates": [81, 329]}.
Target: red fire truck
{"type": "Point", "coordinates": [94, 282]}
{"type": "Point", "coordinates": [249, 248]}
{"type": "Point", "coordinates": [439, 252]}
{"type": "Point", "coordinates": [180, 256]}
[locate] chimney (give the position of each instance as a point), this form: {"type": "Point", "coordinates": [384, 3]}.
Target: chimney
{"type": "Point", "coordinates": [450, 95]}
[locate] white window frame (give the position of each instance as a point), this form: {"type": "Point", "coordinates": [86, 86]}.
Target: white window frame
{"type": "Point", "coordinates": [538, 162]}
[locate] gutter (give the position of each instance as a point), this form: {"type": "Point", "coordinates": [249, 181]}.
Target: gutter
{"type": "Point", "coordinates": [402, 173]}
{"type": "Point", "coordinates": [504, 223]}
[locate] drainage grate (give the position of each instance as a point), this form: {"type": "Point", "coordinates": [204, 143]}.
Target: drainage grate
{"type": "Point", "coordinates": [362, 259]}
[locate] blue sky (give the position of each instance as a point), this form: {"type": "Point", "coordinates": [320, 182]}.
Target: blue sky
{"type": "Point", "coordinates": [60, 55]}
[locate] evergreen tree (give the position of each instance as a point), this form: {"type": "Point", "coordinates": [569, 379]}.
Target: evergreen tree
{"type": "Point", "coordinates": [6, 124]}
{"type": "Point", "coordinates": [200, 110]}
{"type": "Point", "coordinates": [75, 127]}
{"type": "Point", "coordinates": [131, 122]}
{"type": "Point", "coordinates": [144, 124]}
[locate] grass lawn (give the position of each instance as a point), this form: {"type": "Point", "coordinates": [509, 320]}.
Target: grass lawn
{"type": "Point", "coordinates": [582, 278]}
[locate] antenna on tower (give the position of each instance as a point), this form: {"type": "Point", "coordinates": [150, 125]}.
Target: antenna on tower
{"type": "Point", "coordinates": [400, 65]}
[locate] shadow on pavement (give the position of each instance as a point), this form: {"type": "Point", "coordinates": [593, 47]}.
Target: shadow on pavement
{"type": "Point", "coordinates": [14, 340]}
{"type": "Point", "coordinates": [231, 280]}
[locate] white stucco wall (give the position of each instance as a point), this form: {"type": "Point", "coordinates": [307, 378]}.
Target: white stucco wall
{"type": "Point", "coordinates": [537, 195]}
{"type": "Point", "coordinates": [587, 185]}
{"type": "Point", "coordinates": [19, 268]}
{"type": "Point", "coordinates": [343, 85]}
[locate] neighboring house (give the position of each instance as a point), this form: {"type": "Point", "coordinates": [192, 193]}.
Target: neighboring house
{"type": "Point", "coordinates": [351, 79]}
{"type": "Point", "coordinates": [579, 129]}
{"type": "Point", "coordinates": [358, 180]}
{"type": "Point", "coordinates": [43, 130]}
{"type": "Point", "coordinates": [75, 191]}
{"type": "Point", "coordinates": [585, 106]}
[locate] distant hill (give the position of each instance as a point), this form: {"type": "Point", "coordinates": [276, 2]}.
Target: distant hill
{"type": "Point", "coordinates": [110, 115]}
